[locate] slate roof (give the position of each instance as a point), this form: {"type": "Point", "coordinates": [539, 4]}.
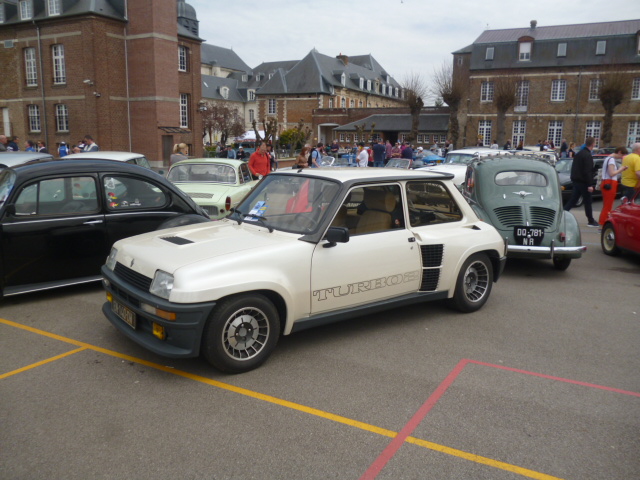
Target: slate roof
{"type": "Point", "coordinates": [222, 57]}
{"type": "Point", "coordinates": [211, 89]}
{"type": "Point", "coordinates": [434, 122]}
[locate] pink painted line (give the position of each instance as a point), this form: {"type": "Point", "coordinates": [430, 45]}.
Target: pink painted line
{"type": "Point", "coordinates": [388, 453]}
{"type": "Point", "coordinates": [559, 379]}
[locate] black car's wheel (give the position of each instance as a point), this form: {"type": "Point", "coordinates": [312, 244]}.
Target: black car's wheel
{"type": "Point", "coordinates": [608, 240]}
{"type": "Point", "coordinates": [241, 333]}
{"type": "Point", "coordinates": [473, 285]}
{"type": "Point", "coordinates": [561, 263]}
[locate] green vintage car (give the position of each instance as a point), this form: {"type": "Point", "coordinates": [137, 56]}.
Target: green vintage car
{"type": "Point", "coordinates": [216, 184]}
{"type": "Point", "coordinates": [521, 197]}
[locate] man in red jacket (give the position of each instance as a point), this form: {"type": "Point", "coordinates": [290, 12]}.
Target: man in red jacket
{"type": "Point", "coordinates": [259, 162]}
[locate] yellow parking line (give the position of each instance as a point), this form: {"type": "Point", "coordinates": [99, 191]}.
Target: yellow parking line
{"type": "Point", "coordinates": [284, 403]}
{"type": "Point", "coordinates": [43, 362]}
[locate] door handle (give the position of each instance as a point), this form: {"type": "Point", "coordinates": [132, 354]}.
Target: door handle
{"type": "Point", "coordinates": [92, 222]}
{"type": "Point", "coordinates": [411, 239]}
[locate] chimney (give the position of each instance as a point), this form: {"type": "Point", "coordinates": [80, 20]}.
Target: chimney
{"type": "Point", "coordinates": [533, 24]}
{"type": "Point", "coordinates": [344, 58]}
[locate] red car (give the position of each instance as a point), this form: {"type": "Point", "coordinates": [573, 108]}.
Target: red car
{"type": "Point", "coordinates": [622, 229]}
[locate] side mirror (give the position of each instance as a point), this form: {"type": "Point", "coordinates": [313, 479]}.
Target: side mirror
{"type": "Point", "coordinates": [336, 235]}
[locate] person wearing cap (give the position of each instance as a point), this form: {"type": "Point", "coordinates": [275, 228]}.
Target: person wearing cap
{"type": "Point", "coordinates": [419, 153]}
{"type": "Point", "coordinates": [63, 150]}
{"type": "Point", "coordinates": [241, 155]}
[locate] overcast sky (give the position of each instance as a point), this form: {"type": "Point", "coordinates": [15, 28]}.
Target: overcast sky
{"type": "Point", "coordinates": [404, 36]}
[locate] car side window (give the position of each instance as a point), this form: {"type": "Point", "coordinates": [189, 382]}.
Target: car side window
{"type": "Point", "coordinates": [126, 193]}
{"type": "Point", "coordinates": [430, 203]}
{"type": "Point", "coordinates": [58, 196]}
{"type": "Point", "coordinates": [371, 209]}
{"type": "Point", "coordinates": [245, 174]}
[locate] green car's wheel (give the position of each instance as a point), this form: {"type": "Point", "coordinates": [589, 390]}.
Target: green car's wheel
{"type": "Point", "coordinates": [473, 285]}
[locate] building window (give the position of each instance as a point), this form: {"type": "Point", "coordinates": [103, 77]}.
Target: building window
{"type": "Point", "coordinates": [342, 137]}
{"type": "Point", "coordinates": [593, 130]}
{"type": "Point", "coordinates": [460, 60]}
{"type": "Point", "coordinates": [352, 103]}
{"type": "Point", "coordinates": [26, 9]}
{"type": "Point", "coordinates": [369, 85]}
{"type": "Point", "coordinates": [360, 104]}
{"type": "Point", "coordinates": [252, 95]}
{"type": "Point", "coordinates": [272, 106]}
{"type": "Point", "coordinates": [224, 92]}
{"type": "Point", "coordinates": [525, 52]}
{"type": "Point", "coordinates": [397, 92]}
{"type": "Point", "coordinates": [634, 133]}
{"type": "Point", "coordinates": [486, 92]}
{"type": "Point", "coordinates": [330, 102]}
{"type": "Point", "coordinates": [34, 118]}
{"type": "Point", "coordinates": [558, 90]}
{"type": "Point", "coordinates": [384, 89]}
{"type": "Point", "coordinates": [343, 102]}
{"type": "Point", "coordinates": [361, 83]}
{"type": "Point", "coordinates": [484, 132]}
{"type": "Point", "coordinates": [519, 132]}
{"type": "Point", "coordinates": [356, 137]}
{"type": "Point", "coordinates": [184, 110]}
{"type": "Point", "coordinates": [635, 89]}
{"type": "Point", "coordinates": [555, 132]}
{"type": "Point", "coordinates": [522, 97]}
{"type": "Point", "coordinates": [53, 7]}
{"type": "Point", "coordinates": [252, 115]}
{"type": "Point", "coordinates": [31, 71]}
{"type": "Point", "coordinates": [59, 70]}
{"type": "Point", "coordinates": [245, 77]}
{"type": "Point", "coordinates": [601, 47]}
{"type": "Point", "coordinates": [443, 138]}
{"type": "Point", "coordinates": [62, 118]}
{"type": "Point", "coordinates": [1, 13]}
{"type": "Point", "coordinates": [594, 89]}
{"type": "Point", "coordinates": [182, 58]}
{"type": "Point", "coordinates": [562, 50]}
{"type": "Point", "coordinates": [343, 79]}
{"type": "Point", "coordinates": [489, 53]}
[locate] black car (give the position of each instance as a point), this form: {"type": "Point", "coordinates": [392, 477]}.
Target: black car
{"type": "Point", "coordinates": [563, 167]}
{"type": "Point", "coordinates": [58, 219]}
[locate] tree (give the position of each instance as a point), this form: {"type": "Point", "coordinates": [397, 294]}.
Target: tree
{"type": "Point", "coordinates": [504, 97]}
{"type": "Point", "coordinates": [360, 131]}
{"type": "Point", "coordinates": [295, 137]}
{"type": "Point", "coordinates": [270, 129]}
{"type": "Point", "coordinates": [415, 90]}
{"type": "Point", "coordinates": [613, 89]}
{"type": "Point", "coordinates": [449, 86]}
{"type": "Point", "coordinates": [218, 117]}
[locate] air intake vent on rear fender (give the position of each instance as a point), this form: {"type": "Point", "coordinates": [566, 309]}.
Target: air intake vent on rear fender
{"type": "Point", "coordinates": [431, 266]}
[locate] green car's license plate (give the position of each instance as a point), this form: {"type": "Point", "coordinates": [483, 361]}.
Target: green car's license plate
{"type": "Point", "coordinates": [528, 236]}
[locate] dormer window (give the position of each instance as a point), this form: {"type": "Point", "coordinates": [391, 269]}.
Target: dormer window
{"type": "Point", "coordinates": [384, 89]}
{"type": "Point", "coordinates": [601, 47]}
{"type": "Point", "coordinates": [361, 83]}
{"type": "Point", "coordinates": [252, 95]}
{"type": "Point", "coordinates": [525, 52]}
{"type": "Point", "coordinates": [26, 10]}
{"type": "Point", "coordinates": [270, 75]}
{"type": "Point", "coordinates": [562, 50]}
{"type": "Point", "coordinates": [369, 85]}
{"type": "Point", "coordinates": [1, 13]}
{"type": "Point", "coordinates": [224, 92]}
{"type": "Point", "coordinates": [245, 77]}
{"type": "Point", "coordinates": [489, 53]}
{"type": "Point", "coordinates": [397, 92]}
{"type": "Point", "coordinates": [343, 79]}
{"type": "Point", "coordinates": [53, 7]}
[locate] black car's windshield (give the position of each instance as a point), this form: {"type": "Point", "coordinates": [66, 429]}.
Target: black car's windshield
{"type": "Point", "coordinates": [295, 204]}
{"type": "Point", "coordinates": [7, 181]}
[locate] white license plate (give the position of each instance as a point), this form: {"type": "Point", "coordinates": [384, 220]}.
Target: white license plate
{"type": "Point", "coordinates": [126, 314]}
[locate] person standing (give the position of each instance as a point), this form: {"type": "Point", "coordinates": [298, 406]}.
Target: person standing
{"type": "Point", "coordinates": [316, 156]}
{"type": "Point", "coordinates": [42, 147]}
{"type": "Point", "coordinates": [335, 148]}
{"type": "Point", "coordinates": [12, 146]}
{"type": "Point", "coordinates": [582, 178]}
{"type": "Point", "coordinates": [63, 150]}
{"type": "Point", "coordinates": [231, 153]}
{"type": "Point", "coordinates": [241, 154]}
{"type": "Point", "coordinates": [388, 150]}
{"type": "Point", "coordinates": [610, 178]}
{"type": "Point", "coordinates": [29, 146]}
{"type": "Point", "coordinates": [363, 156]}
{"type": "Point", "coordinates": [564, 148]}
{"type": "Point", "coordinates": [631, 176]}
{"type": "Point", "coordinates": [89, 144]}
{"type": "Point", "coordinates": [407, 152]}
{"type": "Point", "coordinates": [3, 143]}
{"type": "Point", "coordinates": [180, 152]}
{"type": "Point", "coordinates": [379, 153]}
{"type": "Point", "coordinates": [259, 163]}
{"type": "Point", "coordinates": [302, 160]}
{"type": "Point", "coordinates": [572, 150]}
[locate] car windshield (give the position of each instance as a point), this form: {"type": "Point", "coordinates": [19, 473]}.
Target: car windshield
{"type": "Point", "coordinates": [564, 166]}
{"type": "Point", "coordinates": [295, 204]}
{"type": "Point", "coordinates": [203, 173]}
{"type": "Point", "coordinates": [7, 181]}
{"type": "Point", "coordinates": [521, 178]}
{"type": "Point", "coordinates": [398, 163]}
{"type": "Point", "coordinates": [464, 158]}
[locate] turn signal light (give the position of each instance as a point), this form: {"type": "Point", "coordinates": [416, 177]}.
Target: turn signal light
{"type": "Point", "coordinates": [171, 316]}
{"type": "Point", "coordinates": [109, 297]}
{"type": "Point", "coordinates": [159, 332]}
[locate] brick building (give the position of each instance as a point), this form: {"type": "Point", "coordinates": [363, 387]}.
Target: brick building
{"type": "Point", "coordinates": [127, 73]}
{"type": "Point", "coordinates": [558, 71]}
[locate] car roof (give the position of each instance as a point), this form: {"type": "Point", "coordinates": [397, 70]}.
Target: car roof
{"type": "Point", "coordinates": [63, 167]}
{"type": "Point", "coordinates": [13, 159]}
{"type": "Point", "coordinates": [474, 150]}
{"type": "Point", "coordinates": [105, 155]}
{"type": "Point", "coordinates": [353, 174]}
{"type": "Point", "coordinates": [225, 161]}
{"type": "Point", "coordinates": [503, 162]}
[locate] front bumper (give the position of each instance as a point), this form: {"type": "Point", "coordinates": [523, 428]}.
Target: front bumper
{"type": "Point", "coordinates": [183, 335]}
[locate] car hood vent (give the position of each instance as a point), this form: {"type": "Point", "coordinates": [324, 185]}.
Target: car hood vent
{"type": "Point", "coordinates": [177, 240]}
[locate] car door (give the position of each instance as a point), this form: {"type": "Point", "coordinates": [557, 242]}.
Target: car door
{"type": "Point", "coordinates": [380, 261]}
{"type": "Point", "coordinates": [628, 225]}
{"type": "Point", "coordinates": [57, 232]}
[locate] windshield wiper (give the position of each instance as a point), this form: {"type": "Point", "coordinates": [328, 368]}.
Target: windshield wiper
{"type": "Point", "coordinates": [259, 218]}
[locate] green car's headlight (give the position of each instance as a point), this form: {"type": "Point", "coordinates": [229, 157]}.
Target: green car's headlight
{"type": "Point", "coordinates": [162, 284]}
{"type": "Point", "coordinates": [111, 259]}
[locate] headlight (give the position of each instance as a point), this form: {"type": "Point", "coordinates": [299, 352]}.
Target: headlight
{"type": "Point", "coordinates": [162, 284]}
{"type": "Point", "coordinates": [111, 259]}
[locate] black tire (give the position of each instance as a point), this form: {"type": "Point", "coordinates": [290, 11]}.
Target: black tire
{"type": "Point", "coordinates": [241, 333]}
{"type": "Point", "coordinates": [561, 263]}
{"type": "Point", "coordinates": [608, 240]}
{"type": "Point", "coordinates": [474, 283]}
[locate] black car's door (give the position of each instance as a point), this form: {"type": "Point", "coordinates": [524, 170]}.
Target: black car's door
{"type": "Point", "coordinates": [57, 233]}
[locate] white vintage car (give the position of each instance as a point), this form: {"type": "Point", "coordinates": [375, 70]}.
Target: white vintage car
{"type": "Point", "coordinates": [304, 248]}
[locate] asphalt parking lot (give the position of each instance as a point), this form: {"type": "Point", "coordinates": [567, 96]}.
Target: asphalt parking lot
{"type": "Point", "coordinates": [541, 383]}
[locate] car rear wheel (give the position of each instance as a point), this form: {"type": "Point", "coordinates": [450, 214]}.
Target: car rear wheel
{"type": "Point", "coordinates": [608, 240]}
{"type": "Point", "coordinates": [241, 333]}
{"type": "Point", "coordinates": [473, 285]}
{"type": "Point", "coordinates": [561, 263]}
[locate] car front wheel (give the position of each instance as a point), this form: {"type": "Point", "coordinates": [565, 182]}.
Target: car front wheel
{"type": "Point", "coordinates": [608, 240]}
{"type": "Point", "coordinates": [241, 333]}
{"type": "Point", "coordinates": [473, 285]}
